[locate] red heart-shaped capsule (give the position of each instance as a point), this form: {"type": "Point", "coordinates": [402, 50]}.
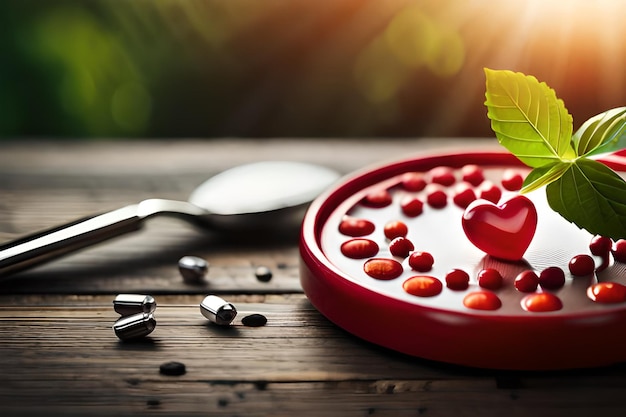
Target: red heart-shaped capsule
{"type": "Point", "coordinates": [503, 231]}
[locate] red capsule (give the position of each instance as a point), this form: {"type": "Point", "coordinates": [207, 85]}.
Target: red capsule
{"type": "Point", "coordinates": [526, 281]}
{"type": "Point", "coordinates": [490, 279]}
{"type": "Point", "coordinates": [541, 302]}
{"type": "Point", "coordinates": [395, 228]}
{"type": "Point", "coordinates": [607, 292]}
{"type": "Point", "coordinates": [421, 261]}
{"type": "Point", "coordinates": [383, 269]}
{"type": "Point", "coordinates": [457, 280]}
{"type": "Point", "coordinates": [423, 286]}
{"type": "Point", "coordinates": [489, 191]}
{"type": "Point", "coordinates": [359, 248]}
{"type": "Point", "coordinates": [436, 197]}
{"type": "Point", "coordinates": [354, 227]}
{"type": "Point", "coordinates": [482, 300]}
{"type": "Point", "coordinates": [600, 245]}
{"type": "Point", "coordinates": [442, 175]}
{"type": "Point", "coordinates": [463, 195]}
{"type": "Point", "coordinates": [412, 206]}
{"type": "Point", "coordinates": [512, 180]}
{"type": "Point", "coordinates": [401, 247]}
{"type": "Point", "coordinates": [581, 265]}
{"type": "Point", "coordinates": [552, 278]}
{"type": "Point", "coordinates": [377, 199]}
{"type": "Point", "coordinates": [413, 181]}
{"type": "Point", "coordinates": [472, 174]}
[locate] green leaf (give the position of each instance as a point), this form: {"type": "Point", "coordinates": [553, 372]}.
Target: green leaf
{"type": "Point", "coordinates": [528, 119]}
{"type": "Point", "coordinates": [603, 133]}
{"type": "Point", "coordinates": [544, 175]}
{"type": "Point", "coordinates": [592, 196]}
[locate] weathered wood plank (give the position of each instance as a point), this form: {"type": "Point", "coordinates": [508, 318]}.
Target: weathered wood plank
{"type": "Point", "coordinates": [297, 343]}
{"type": "Point", "coordinates": [65, 359]}
{"type": "Point", "coordinates": [315, 399]}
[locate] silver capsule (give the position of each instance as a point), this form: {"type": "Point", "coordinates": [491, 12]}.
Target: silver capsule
{"type": "Point", "coordinates": [129, 304]}
{"type": "Point", "coordinates": [217, 310]}
{"type": "Point", "coordinates": [193, 269]}
{"type": "Point", "coordinates": [134, 327]}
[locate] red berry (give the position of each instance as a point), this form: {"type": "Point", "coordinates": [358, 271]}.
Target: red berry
{"type": "Point", "coordinates": [463, 195]}
{"type": "Point", "coordinates": [401, 247]}
{"type": "Point", "coordinates": [413, 181]}
{"type": "Point", "coordinates": [435, 196]}
{"type": "Point", "coordinates": [619, 250]}
{"type": "Point", "coordinates": [526, 281]}
{"type": "Point", "coordinates": [394, 229]}
{"type": "Point", "coordinates": [412, 206]}
{"type": "Point", "coordinates": [581, 265]}
{"type": "Point", "coordinates": [552, 278]}
{"type": "Point", "coordinates": [442, 175]}
{"type": "Point", "coordinates": [472, 174]}
{"type": "Point", "coordinates": [600, 245]}
{"type": "Point", "coordinates": [490, 192]}
{"type": "Point", "coordinates": [512, 180]}
{"type": "Point", "coordinates": [490, 279]}
{"type": "Point", "coordinates": [457, 279]}
{"type": "Point", "coordinates": [421, 261]}
{"type": "Point", "coordinates": [377, 199]}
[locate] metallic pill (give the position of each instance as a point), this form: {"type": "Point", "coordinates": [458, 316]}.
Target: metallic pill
{"type": "Point", "coordinates": [129, 304]}
{"type": "Point", "coordinates": [217, 310]}
{"type": "Point", "coordinates": [135, 326]}
{"type": "Point", "coordinates": [193, 269]}
{"type": "Point", "coordinates": [263, 274]}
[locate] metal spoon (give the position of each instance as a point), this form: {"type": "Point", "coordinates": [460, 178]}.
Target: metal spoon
{"type": "Point", "coordinates": [261, 195]}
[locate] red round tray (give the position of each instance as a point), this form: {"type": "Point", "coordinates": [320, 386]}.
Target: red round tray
{"type": "Point", "coordinates": [583, 333]}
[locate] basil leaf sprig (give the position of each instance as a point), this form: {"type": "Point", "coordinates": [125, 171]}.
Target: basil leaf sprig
{"type": "Point", "coordinates": [533, 124]}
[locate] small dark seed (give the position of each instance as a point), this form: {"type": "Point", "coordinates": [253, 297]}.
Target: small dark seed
{"type": "Point", "coordinates": [263, 274]}
{"type": "Point", "coordinates": [172, 368]}
{"type": "Point", "coordinates": [254, 320]}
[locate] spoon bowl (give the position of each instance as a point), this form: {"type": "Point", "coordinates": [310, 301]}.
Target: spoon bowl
{"type": "Point", "coordinates": [268, 195]}
{"type": "Point", "coordinates": [261, 195]}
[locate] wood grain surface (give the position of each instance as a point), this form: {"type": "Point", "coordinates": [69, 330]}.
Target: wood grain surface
{"type": "Point", "coordinates": [60, 356]}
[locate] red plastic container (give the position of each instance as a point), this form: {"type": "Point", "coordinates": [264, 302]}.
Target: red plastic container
{"type": "Point", "coordinates": [565, 329]}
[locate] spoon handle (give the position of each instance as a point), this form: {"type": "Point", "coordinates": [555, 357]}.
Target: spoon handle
{"type": "Point", "coordinates": [35, 249]}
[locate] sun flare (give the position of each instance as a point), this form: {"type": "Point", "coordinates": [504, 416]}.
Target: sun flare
{"type": "Point", "coordinates": [322, 68]}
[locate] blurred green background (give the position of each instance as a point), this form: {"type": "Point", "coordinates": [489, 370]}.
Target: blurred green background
{"type": "Point", "coordinates": [314, 68]}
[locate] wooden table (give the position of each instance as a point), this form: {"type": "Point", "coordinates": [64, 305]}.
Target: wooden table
{"type": "Point", "coordinates": [59, 355]}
